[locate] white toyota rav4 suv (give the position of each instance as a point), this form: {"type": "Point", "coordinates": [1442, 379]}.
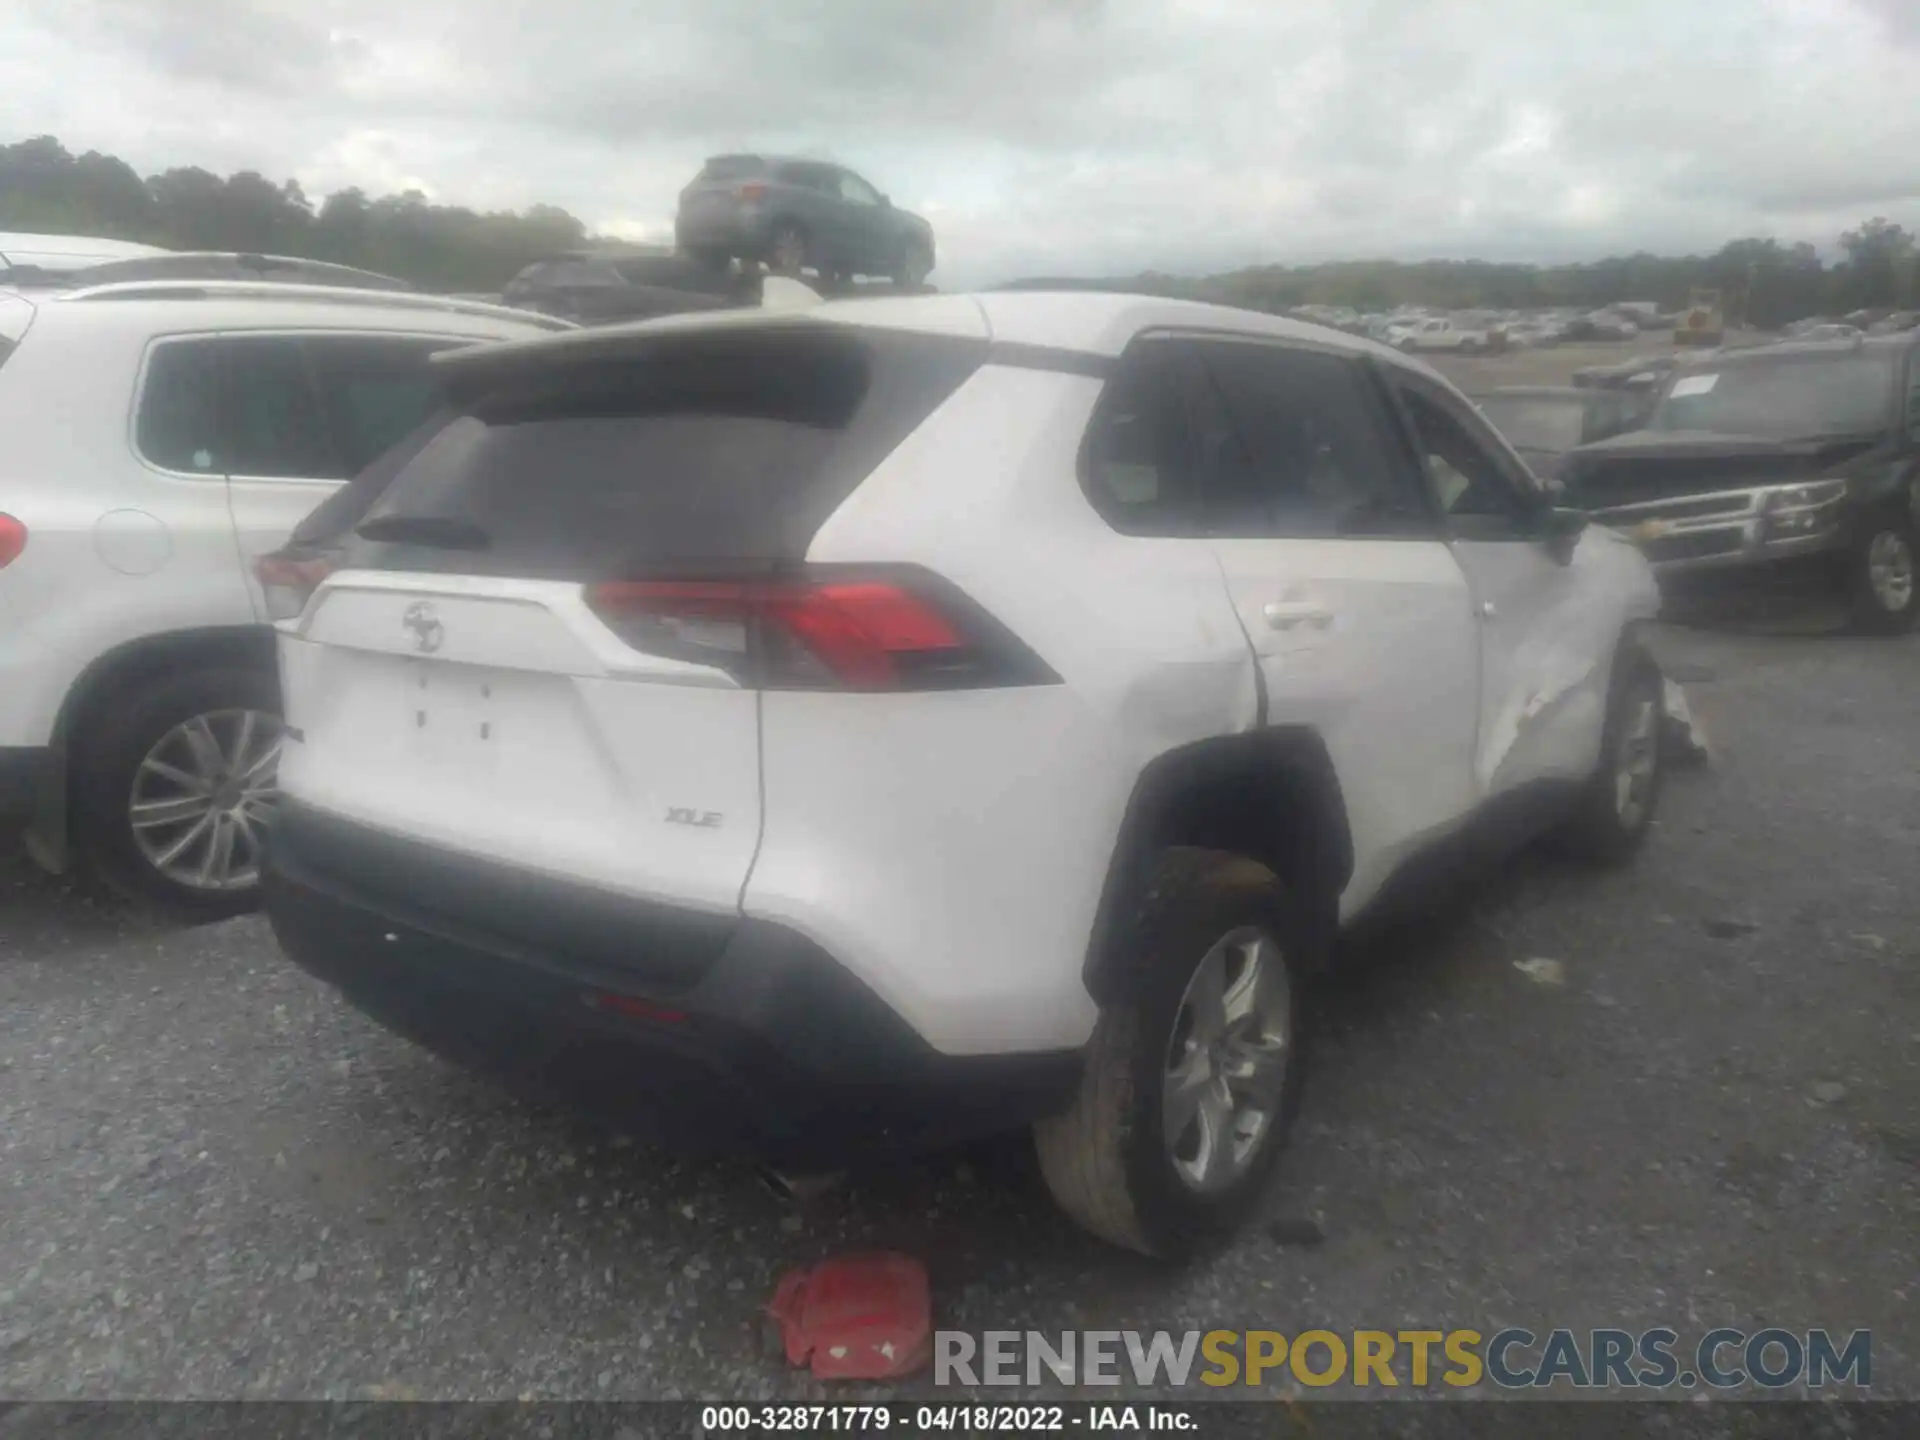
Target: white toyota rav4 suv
{"type": "Point", "coordinates": [158, 436]}
{"type": "Point", "coordinates": [905, 719]}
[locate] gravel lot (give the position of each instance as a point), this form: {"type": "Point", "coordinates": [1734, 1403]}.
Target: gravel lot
{"type": "Point", "coordinates": [217, 1181]}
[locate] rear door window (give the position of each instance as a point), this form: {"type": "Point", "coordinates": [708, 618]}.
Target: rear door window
{"type": "Point", "coordinates": [1310, 453]}
{"type": "Point", "coordinates": [727, 448]}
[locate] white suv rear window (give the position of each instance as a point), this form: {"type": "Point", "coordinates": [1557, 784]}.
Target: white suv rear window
{"type": "Point", "coordinates": [727, 446]}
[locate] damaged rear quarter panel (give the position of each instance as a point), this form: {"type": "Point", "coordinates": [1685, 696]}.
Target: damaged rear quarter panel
{"type": "Point", "coordinates": [951, 847]}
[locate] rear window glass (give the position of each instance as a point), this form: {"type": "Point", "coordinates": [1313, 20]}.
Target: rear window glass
{"type": "Point", "coordinates": [720, 448]}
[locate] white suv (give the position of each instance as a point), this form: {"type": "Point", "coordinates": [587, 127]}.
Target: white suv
{"type": "Point", "coordinates": [905, 719]}
{"type": "Point", "coordinates": [158, 437]}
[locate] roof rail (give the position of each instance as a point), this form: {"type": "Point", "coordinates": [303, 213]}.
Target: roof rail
{"type": "Point", "coordinates": [314, 294]}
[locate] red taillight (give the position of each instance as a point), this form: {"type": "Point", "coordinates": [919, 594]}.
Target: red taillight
{"type": "Point", "coordinates": [852, 633]}
{"type": "Point", "coordinates": [289, 582]}
{"type": "Point", "coordinates": [13, 539]}
{"type": "Point", "coordinates": [752, 190]}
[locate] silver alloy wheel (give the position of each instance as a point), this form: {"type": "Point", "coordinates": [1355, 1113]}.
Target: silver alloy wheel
{"type": "Point", "coordinates": [203, 797]}
{"type": "Point", "coordinates": [1226, 1062]}
{"type": "Point", "coordinates": [1635, 759]}
{"type": "Point", "coordinates": [1890, 571]}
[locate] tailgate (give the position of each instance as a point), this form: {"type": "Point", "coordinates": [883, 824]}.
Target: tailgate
{"type": "Point", "coordinates": [500, 718]}
{"type": "Point", "coordinates": [459, 683]}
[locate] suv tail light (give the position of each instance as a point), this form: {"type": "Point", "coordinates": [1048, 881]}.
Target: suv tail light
{"type": "Point", "coordinates": [289, 582]}
{"type": "Point", "coordinates": [825, 632]}
{"type": "Point", "coordinates": [13, 539]}
{"type": "Point", "coordinates": [752, 190]}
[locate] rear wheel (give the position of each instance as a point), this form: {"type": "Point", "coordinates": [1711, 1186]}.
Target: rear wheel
{"type": "Point", "coordinates": [1192, 1077]}
{"type": "Point", "coordinates": [175, 790]}
{"type": "Point", "coordinates": [1882, 597]}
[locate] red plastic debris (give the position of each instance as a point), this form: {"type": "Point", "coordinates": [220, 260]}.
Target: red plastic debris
{"type": "Point", "coordinates": [857, 1317]}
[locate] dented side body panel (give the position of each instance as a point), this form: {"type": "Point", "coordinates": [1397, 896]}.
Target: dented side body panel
{"type": "Point", "coordinates": [951, 848]}
{"type": "Point", "coordinates": [1548, 636]}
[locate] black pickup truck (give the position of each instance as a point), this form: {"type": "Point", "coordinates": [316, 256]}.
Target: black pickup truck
{"type": "Point", "coordinates": [1782, 463]}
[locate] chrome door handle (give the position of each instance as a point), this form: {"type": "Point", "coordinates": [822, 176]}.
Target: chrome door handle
{"type": "Point", "coordinates": [1290, 614]}
{"type": "Point", "coordinates": [1487, 610]}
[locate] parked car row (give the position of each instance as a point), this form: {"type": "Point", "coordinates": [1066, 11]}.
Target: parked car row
{"type": "Point", "coordinates": [1415, 329]}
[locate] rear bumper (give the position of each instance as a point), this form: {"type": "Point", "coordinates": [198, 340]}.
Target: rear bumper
{"type": "Point", "coordinates": [23, 771]}
{"type": "Point", "coordinates": [770, 1048]}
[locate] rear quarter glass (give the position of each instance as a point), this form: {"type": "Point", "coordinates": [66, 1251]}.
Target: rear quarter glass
{"type": "Point", "coordinates": [706, 452]}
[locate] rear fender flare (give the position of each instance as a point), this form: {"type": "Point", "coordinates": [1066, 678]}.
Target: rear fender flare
{"type": "Point", "coordinates": [1271, 794]}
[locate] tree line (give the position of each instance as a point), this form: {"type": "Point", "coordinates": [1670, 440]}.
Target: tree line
{"type": "Point", "coordinates": [43, 187]}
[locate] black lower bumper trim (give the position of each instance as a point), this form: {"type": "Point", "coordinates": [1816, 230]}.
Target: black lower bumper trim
{"type": "Point", "coordinates": [775, 1051]}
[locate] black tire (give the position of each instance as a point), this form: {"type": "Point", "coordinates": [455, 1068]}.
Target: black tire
{"type": "Point", "coordinates": [1604, 829]}
{"type": "Point", "coordinates": [109, 751]}
{"type": "Point", "coordinates": [789, 249]}
{"type": "Point", "coordinates": [911, 269]}
{"type": "Point", "coordinates": [1870, 610]}
{"type": "Point", "coordinates": [1107, 1160]}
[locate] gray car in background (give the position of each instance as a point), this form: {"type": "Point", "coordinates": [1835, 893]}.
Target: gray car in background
{"type": "Point", "coordinates": [799, 215]}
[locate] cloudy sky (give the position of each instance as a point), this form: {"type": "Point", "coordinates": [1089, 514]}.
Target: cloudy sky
{"type": "Point", "coordinates": [1039, 136]}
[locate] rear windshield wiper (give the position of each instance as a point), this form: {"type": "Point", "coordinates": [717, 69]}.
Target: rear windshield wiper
{"type": "Point", "coordinates": [443, 532]}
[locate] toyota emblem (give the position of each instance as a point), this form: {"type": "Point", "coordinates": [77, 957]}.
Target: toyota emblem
{"type": "Point", "coordinates": [424, 625]}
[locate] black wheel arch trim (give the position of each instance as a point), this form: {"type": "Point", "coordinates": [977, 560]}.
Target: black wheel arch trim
{"type": "Point", "coordinates": [49, 837]}
{"type": "Point", "coordinates": [212, 645]}
{"type": "Point", "coordinates": [1271, 794]}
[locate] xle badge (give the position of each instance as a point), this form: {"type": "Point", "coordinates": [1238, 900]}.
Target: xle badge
{"type": "Point", "coordinates": [700, 819]}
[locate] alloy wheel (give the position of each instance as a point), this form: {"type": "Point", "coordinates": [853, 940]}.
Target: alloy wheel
{"type": "Point", "coordinates": [203, 798]}
{"type": "Point", "coordinates": [1226, 1063]}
